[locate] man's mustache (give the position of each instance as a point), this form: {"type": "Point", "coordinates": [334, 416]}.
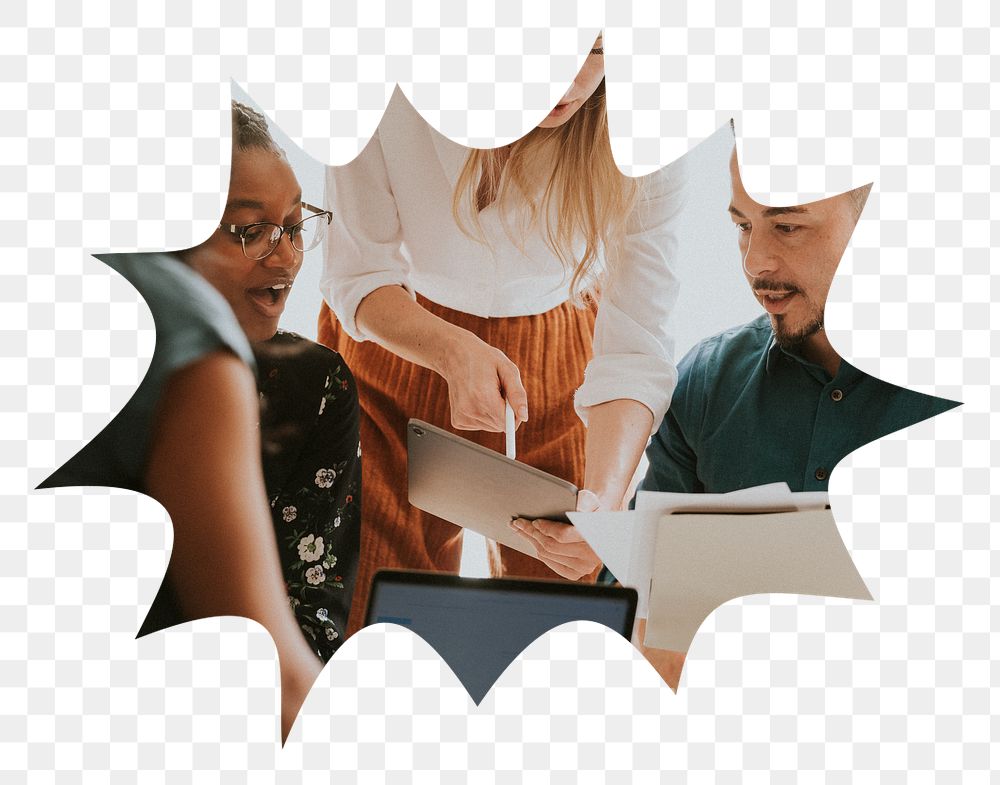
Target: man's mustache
{"type": "Point", "coordinates": [772, 286]}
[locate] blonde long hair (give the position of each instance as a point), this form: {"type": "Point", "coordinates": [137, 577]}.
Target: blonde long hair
{"type": "Point", "coordinates": [573, 169]}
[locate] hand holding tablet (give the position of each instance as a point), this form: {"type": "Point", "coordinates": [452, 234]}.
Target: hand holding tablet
{"type": "Point", "coordinates": [479, 489]}
{"type": "Point", "coordinates": [560, 547]}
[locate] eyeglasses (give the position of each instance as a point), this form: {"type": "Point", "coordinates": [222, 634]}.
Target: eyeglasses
{"type": "Point", "coordinates": [260, 239]}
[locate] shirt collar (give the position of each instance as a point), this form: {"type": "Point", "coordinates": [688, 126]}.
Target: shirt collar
{"type": "Point", "coordinates": [774, 354]}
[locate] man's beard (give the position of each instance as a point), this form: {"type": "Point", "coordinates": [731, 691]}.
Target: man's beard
{"type": "Point", "coordinates": [785, 336]}
{"type": "Point", "coordinates": [792, 340]}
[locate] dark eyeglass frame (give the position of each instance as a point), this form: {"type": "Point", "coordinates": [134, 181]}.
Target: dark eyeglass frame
{"type": "Point", "coordinates": [241, 231]}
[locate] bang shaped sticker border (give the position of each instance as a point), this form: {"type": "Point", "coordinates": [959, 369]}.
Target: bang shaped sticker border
{"type": "Point", "coordinates": [488, 306]}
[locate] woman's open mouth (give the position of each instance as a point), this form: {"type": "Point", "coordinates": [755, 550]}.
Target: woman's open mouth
{"type": "Point", "coordinates": [270, 300]}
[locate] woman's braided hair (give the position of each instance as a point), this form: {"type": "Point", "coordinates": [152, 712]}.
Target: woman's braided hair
{"type": "Point", "coordinates": [250, 130]}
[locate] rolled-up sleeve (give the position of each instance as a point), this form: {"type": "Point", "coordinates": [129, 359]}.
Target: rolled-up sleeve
{"type": "Point", "coordinates": [364, 247]}
{"type": "Point", "coordinates": [633, 343]}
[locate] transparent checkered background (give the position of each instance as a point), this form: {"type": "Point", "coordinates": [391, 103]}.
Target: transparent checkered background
{"type": "Point", "coordinates": [113, 123]}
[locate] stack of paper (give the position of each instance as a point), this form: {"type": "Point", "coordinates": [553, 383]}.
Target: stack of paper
{"type": "Point", "coordinates": [686, 554]}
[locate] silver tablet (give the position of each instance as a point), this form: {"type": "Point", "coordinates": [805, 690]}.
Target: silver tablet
{"type": "Point", "coordinates": [479, 489]}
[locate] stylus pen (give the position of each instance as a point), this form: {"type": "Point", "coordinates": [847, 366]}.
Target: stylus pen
{"type": "Point", "coordinates": [509, 432]}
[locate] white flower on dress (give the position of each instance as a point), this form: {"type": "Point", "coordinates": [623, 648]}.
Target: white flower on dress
{"type": "Point", "coordinates": [288, 514]}
{"type": "Point", "coordinates": [323, 614]}
{"type": "Point", "coordinates": [293, 603]}
{"type": "Point", "coordinates": [311, 548]}
{"type": "Point", "coordinates": [331, 634]}
{"type": "Point", "coordinates": [315, 575]}
{"type": "Point", "coordinates": [336, 522]}
{"type": "Point", "coordinates": [322, 405]}
{"type": "Point", "coordinates": [325, 477]}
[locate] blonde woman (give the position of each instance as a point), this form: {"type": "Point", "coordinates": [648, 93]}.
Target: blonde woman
{"type": "Point", "coordinates": [461, 280]}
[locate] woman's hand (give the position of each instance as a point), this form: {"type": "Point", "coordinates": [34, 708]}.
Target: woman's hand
{"type": "Point", "coordinates": [559, 546]}
{"type": "Point", "coordinates": [481, 379]}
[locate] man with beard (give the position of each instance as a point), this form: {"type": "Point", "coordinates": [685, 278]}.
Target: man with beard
{"type": "Point", "coordinates": [772, 401]}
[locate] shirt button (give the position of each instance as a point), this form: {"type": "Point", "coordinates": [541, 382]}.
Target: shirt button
{"type": "Point", "coordinates": [837, 395]}
{"type": "Point", "coordinates": [820, 474]}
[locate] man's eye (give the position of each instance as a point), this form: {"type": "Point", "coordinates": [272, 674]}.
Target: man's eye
{"type": "Point", "coordinates": [743, 227]}
{"type": "Point", "coordinates": [787, 228]}
{"type": "Point", "coordinates": [252, 233]}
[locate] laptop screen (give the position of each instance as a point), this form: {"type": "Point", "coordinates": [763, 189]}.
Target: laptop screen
{"type": "Point", "coordinates": [480, 625]}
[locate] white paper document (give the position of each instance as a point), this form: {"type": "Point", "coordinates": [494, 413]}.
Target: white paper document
{"type": "Point", "coordinates": [686, 554]}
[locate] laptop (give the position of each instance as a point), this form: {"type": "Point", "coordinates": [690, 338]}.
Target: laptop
{"type": "Point", "coordinates": [480, 625]}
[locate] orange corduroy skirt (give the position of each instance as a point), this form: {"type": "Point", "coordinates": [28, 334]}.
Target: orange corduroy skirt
{"type": "Point", "coordinates": [551, 350]}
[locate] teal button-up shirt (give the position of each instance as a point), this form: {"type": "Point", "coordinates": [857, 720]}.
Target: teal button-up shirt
{"type": "Point", "coordinates": [746, 413]}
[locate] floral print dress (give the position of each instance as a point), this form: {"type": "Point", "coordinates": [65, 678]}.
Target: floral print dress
{"type": "Point", "coordinates": [312, 471]}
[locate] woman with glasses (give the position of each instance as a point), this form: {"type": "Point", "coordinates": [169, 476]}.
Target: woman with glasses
{"type": "Point", "coordinates": [456, 280]}
{"type": "Point", "coordinates": [193, 434]}
{"type": "Point", "coordinates": [309, 403]}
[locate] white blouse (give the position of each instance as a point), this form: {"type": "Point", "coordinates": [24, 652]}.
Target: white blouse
{"type": "Point", "coordinates": [393, 225]}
